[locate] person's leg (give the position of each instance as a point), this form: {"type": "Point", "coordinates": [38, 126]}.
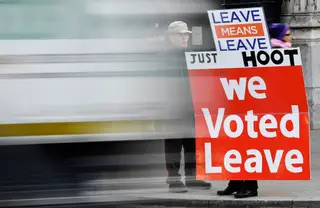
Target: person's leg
{"type": "Point", "coordinates": [248, 189]}
{"type": "Point", "coordinates": [173, 149]}
{"type": "Point", "coordinates": [189, 147]}
{"type": "Point", "coordinates": [190, 165]}
{"type": "Point", "coordinates": [251, 185]}
{"type": "Point", "coordinates": [233, 186]}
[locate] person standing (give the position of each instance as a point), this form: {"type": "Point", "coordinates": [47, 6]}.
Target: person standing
{"type": "Point", "coordinates": [280, 37]}
{"type": "Point", "coordinates": [176, 44]}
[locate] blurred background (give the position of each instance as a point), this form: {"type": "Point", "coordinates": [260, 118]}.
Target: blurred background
{"type": "Point", "coordinates": [92, 66]}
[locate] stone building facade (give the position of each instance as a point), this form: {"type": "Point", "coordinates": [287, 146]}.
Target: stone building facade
{"type": "Point", "coordinates": [303, 16]}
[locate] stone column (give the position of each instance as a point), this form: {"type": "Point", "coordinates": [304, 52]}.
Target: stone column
{"type": "Point", "coordinates": [303, 16]}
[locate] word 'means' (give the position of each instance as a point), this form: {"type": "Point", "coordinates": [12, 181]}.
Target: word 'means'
{"type": "Point", "coordinates": [241, 30]}
{"type": "Point", "coordinates": [268, 124]}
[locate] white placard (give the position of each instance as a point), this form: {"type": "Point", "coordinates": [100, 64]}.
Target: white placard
{"type": "Point", "coordinates": [239, 29]}
{"type": "Point", "coordinates": [243, 59]}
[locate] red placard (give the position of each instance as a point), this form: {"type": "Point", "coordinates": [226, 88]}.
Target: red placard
{"type": "Point", "coordinates": [252, 120]}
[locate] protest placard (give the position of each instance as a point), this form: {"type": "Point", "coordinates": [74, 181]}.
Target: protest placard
{"type": "Point", "coordinates": [239, 29]}
{"type": "Point", "coordinates": [251, 113]}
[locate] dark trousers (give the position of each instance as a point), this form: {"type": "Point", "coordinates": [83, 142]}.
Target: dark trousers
{"type": "Point", "coordinates": [248, 185]}
{"type": "Point", "coordinates": [173, 149]}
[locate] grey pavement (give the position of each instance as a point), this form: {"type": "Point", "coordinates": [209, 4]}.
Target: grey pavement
{"type": "Point", "coordinates": [271, 193]}
{"type": "Point", "coordinates": [147, 188]}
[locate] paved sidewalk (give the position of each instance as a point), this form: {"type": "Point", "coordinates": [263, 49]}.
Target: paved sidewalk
{"type": "Point", "coordinates": [271, 193]}
{"type": "Point", "coordinates": [153, 191]}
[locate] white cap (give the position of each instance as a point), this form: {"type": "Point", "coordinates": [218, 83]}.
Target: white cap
{"type": "Point", "coordinates": [178, 27]}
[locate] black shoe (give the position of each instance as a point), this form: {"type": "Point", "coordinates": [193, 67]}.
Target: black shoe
{"type": "Point", "coordinates": [228, 191]}
{"type": "Point", "coordinates": [198, 184]}
{"type": "Point", "coordinates": [246, 194]}
{"type": "Point", "coordinates": [177, 187]}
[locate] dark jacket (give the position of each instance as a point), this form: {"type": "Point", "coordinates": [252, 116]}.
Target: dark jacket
{"type": "Point", "coordinates": [173, 64]}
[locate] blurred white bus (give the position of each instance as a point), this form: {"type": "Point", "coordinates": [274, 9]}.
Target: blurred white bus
{"type": "Point", "coordinates": [87, 70]}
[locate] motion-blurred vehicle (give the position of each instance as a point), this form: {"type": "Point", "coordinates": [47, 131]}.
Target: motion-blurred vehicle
{"type": "Point", "coordinates": [81, 79]}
